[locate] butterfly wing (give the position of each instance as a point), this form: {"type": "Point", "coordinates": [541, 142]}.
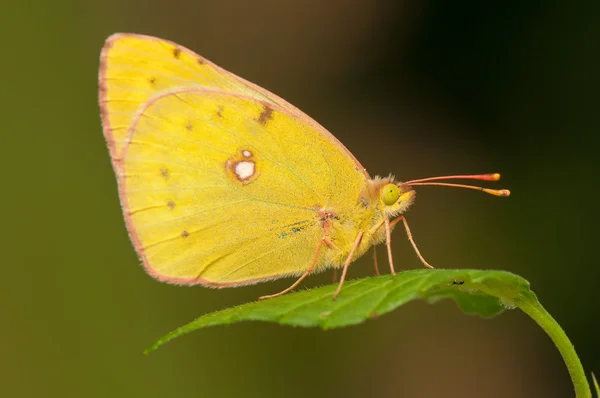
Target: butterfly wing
{"type": "Point", "coordinates": [134, 68]}
{"type": "Point", "coordinates": [222, 189]}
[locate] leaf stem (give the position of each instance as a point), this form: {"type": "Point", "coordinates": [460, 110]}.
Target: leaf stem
{"type": "Point", "coordinates": [532, 307]}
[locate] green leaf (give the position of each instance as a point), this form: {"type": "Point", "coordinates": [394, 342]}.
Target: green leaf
{"type": "Point", "coordinates": [485, 293]}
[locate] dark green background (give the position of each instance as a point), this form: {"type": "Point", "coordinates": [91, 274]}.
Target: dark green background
{"type": "Point", "coordinates": [416, 88]}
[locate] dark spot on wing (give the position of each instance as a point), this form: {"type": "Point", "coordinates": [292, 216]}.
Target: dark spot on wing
{"type": "Point", "coordinates": [152, 81]}
{"type": "Point", "coordinates": [201, 61]}
{"type": "Point", "coordinates": [189, 126]}
{"type": "Point", "coordinates": [171, 204]}
{"type": "Point", "coordinates": [220, 111]}
{"type": "Point", "coordinates": [176, 53]}
{"type": "Point", "coordinates": [185, 234]}
{"type": "Point", "coordinates": [265, 115]}
{"type": "Point", "coordinates": [364, 201]}
{"type": "Point", "coordinates": [294, 230]}
{"type": "Point", "coordinates": [164, 172]}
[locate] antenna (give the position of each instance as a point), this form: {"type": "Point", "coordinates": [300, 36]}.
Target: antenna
{"type": "Point", "coordinates": [480, 177]}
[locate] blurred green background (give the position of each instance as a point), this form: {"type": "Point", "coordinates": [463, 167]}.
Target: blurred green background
{"type": "Point", "coordinates": [417, 88]}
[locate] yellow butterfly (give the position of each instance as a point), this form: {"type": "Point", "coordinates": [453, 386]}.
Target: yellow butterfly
{"type": "Point", "coordinates": [225, 184]}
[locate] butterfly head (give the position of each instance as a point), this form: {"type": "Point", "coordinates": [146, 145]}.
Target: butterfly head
{"type": "Point", "coordinates": [396, 198]}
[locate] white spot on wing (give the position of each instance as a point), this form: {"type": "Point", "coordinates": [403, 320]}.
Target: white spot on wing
{"type": "Point", "coordinates": [247, 153]}
{"type": "Point", "coordinates": [244, 170]}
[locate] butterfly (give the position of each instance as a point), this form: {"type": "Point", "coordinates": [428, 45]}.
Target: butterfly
{"type": "Point", "coordinates": [224, 184]}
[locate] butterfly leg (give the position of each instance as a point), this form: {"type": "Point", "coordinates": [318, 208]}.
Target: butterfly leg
{"type": "Point", "coordinates": [347, 263]}
{"type": "Point", "coordinates": [410, 239]}
{"type": "Point", "coordinates": [304, 275]}
{"type": "Point", "coordinates": [388, 242]}
{"type": "Point", "coordinates": [375, 261]}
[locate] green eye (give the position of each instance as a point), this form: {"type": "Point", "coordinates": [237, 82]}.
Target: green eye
{"type": "Point", "coordinates": [390, 194]}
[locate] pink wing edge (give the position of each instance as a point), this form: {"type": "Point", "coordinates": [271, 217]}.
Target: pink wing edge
{"type": "Point", "coordinates": [106, 128]}
{"type": "Point", "coordinates": [117, 162]}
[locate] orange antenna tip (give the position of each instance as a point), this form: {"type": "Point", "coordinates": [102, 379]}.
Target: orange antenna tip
{"type": "Point", "coordinates": [483, 177]}
{"type": "Point", "coordinates": [497, 192]}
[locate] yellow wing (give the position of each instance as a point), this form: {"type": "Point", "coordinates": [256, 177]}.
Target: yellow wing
{"type": "Point", "coordinates": [222, 189]}
{"type": "Point", "coordinates": [134, 68]}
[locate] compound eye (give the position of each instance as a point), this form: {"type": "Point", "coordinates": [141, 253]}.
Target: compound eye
{"type": "Point", "coordinates": [390, 194]}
